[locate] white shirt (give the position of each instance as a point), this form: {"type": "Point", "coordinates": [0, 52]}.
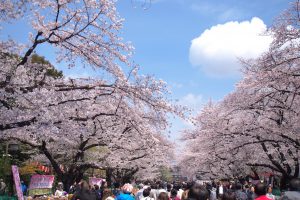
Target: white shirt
{"type": "Point", "coordinates": [153, 194]}
{"type": "Point", "coordinates": [221, 190]}
{"type": "Point", "coordinates": [59, 193]}
{"type": "Point", "coordinates": [139, 194]}
{"type": "Point", "coordinates": [179, 193]}
{"type": "Point", "coordinates": [146, 198]}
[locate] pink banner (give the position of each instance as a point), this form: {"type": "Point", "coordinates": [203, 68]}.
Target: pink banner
{"type": "Point", "coordinates": [41, 181]}
{"type": "Point", "coordinates": [95, 181]}
{"type": "Point", "coordinates": [16, 176]}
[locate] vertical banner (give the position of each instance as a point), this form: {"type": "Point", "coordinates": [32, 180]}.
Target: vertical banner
{"type": "Point", "coordinates": [16, 176]}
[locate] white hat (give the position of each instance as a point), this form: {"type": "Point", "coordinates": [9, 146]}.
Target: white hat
{"type": "Point", "coordinates": [127, 188]}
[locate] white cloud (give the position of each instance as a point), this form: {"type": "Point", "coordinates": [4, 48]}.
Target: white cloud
{"type": "Point", "coordinates": [216, 50]}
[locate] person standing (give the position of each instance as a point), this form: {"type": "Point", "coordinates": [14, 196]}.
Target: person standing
{"type": "Point", "coordinates": [139, 193]}
{"type": "Point", "coordinates": [23, 188]}
{"type": "Point", "coordinates": [173, 195]}
{"type": "Point", "coordinates": [163, 196]}
{"type": "Point", "coordinates": [126, 192]}
{"type": "Point", "coordinates": [249, 192]}
{"type": "Point", "coordinates": [116, 191]}
{"type": "Point", "coordinates": [229, 195]}
{"type": "Point", "coordinates": [97, 191]}
{"type": "Point", "coordinates": [240, 194]}
{"type": "Point", "coordinates": [198, 192]}
{"type": "Point", "coordinates": [261, 190]}
{"type": "Point", "coordinates": [179, 189]}
{"type": "Point", "coordinates": [84, 193]}
{"type": "Point", "coordinates": [269, 193]}
{"type": "Point", "coordinates": [220, 191]}
{"type": "Point", "coordinates": [294, 190]}
{"type": "Point", "coordinates": [153, 191]}
{"type": "Point", "coordinates": [59, 192]}
{"type": "Point", "coordinates": [2, 187]}
{"type": "Point", "coordinates": [146, 194]}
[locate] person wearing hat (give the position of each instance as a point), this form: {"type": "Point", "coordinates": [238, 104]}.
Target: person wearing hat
{"type": "Point", "coordinates": [126, 193]}
{"type": "Point", "coordinates": [59, 191]}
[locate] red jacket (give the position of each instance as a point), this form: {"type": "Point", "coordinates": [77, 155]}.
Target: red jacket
{"type": "Point", "coordinates": [263, 197]}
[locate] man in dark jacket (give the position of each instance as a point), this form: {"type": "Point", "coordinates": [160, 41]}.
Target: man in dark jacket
{"type": "Point", "coordinates": [239, 193]}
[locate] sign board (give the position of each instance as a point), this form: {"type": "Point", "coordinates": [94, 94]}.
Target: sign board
{"type": "Point", "coordinates": [41, 182]}
{"type": "Point", "coordinates": [17, 182]}
{"type": "Point", "coordinates": [46, 191]}
{"type": "Point", "coordinates": [95, 181]}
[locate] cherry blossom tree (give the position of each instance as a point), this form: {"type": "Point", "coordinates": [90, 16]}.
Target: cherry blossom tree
{"type": "Point", "coordinates": [85, 31]}
{"type": "Point", "coordinates": [112, 122]}
{"type": "Point", "coordinates": [256, 127]}
{"type": "Point", "coordinates": [85, 123]}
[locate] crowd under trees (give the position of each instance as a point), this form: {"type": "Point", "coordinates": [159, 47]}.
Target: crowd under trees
{"type": "Point", "coordinates": [115, 121]}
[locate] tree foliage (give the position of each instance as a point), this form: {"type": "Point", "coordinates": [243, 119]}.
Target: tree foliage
{"type": "Point", "coordinates": [256, 127]}
{"type": "Point", "coordinates": [70, 121]}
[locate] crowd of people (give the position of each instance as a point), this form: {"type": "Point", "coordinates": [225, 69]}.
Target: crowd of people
{"type": "Point", "coordinates": [185, 191]}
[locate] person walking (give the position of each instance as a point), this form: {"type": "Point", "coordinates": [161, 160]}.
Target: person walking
{"type": "Point", "coordinates": [261, 192]}
{"type": "Point", "coordinates": [198, 192]}
{"type": "Point", "coordinates": [23, 188]}
{"type": "Point", "coordinates": [126, 192]}
{"type": "Point", "coordinates": [174, 195]}
{"type": "Point", "coordinates": [84, 193]}
{"type": "Point", "coordinates": [239, 193]}
{"type": "Point", "coordinates": [146, 194]}
{"type": "Point", "coordinates": [269, 193]}
{"type": "Point", "coordinates": [163, 196]}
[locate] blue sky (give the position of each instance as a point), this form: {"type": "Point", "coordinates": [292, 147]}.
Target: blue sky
{"type": "Point", "coordinates": [162, 36]}
{"type": "Point", "coordinates": [162, 33]}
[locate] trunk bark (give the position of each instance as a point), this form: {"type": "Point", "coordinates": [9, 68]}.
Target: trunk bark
{"type": "Point", "coordinates": [68, 180]}
{"type": "Point", "coordinates": [70, 177]}
{"type": "Point", "coordinates": [284, 182]}
{"type": "Point", "coordinates": [109, 177]}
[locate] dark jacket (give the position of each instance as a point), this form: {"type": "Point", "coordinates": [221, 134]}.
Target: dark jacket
{"type": "Point", "coordinates": [240, 195]}
{"type": "Point", "coordinates": [84, 195]}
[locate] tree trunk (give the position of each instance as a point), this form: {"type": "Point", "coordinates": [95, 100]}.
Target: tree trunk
{"type": "Point", "coordinates": [70, 177]}
{"type": "Point", "coordinates": [284, 182]}
{"type": "Point", "coordinates": [109, 177]}
{"type": "Point", "coordinates": [68, 180]}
